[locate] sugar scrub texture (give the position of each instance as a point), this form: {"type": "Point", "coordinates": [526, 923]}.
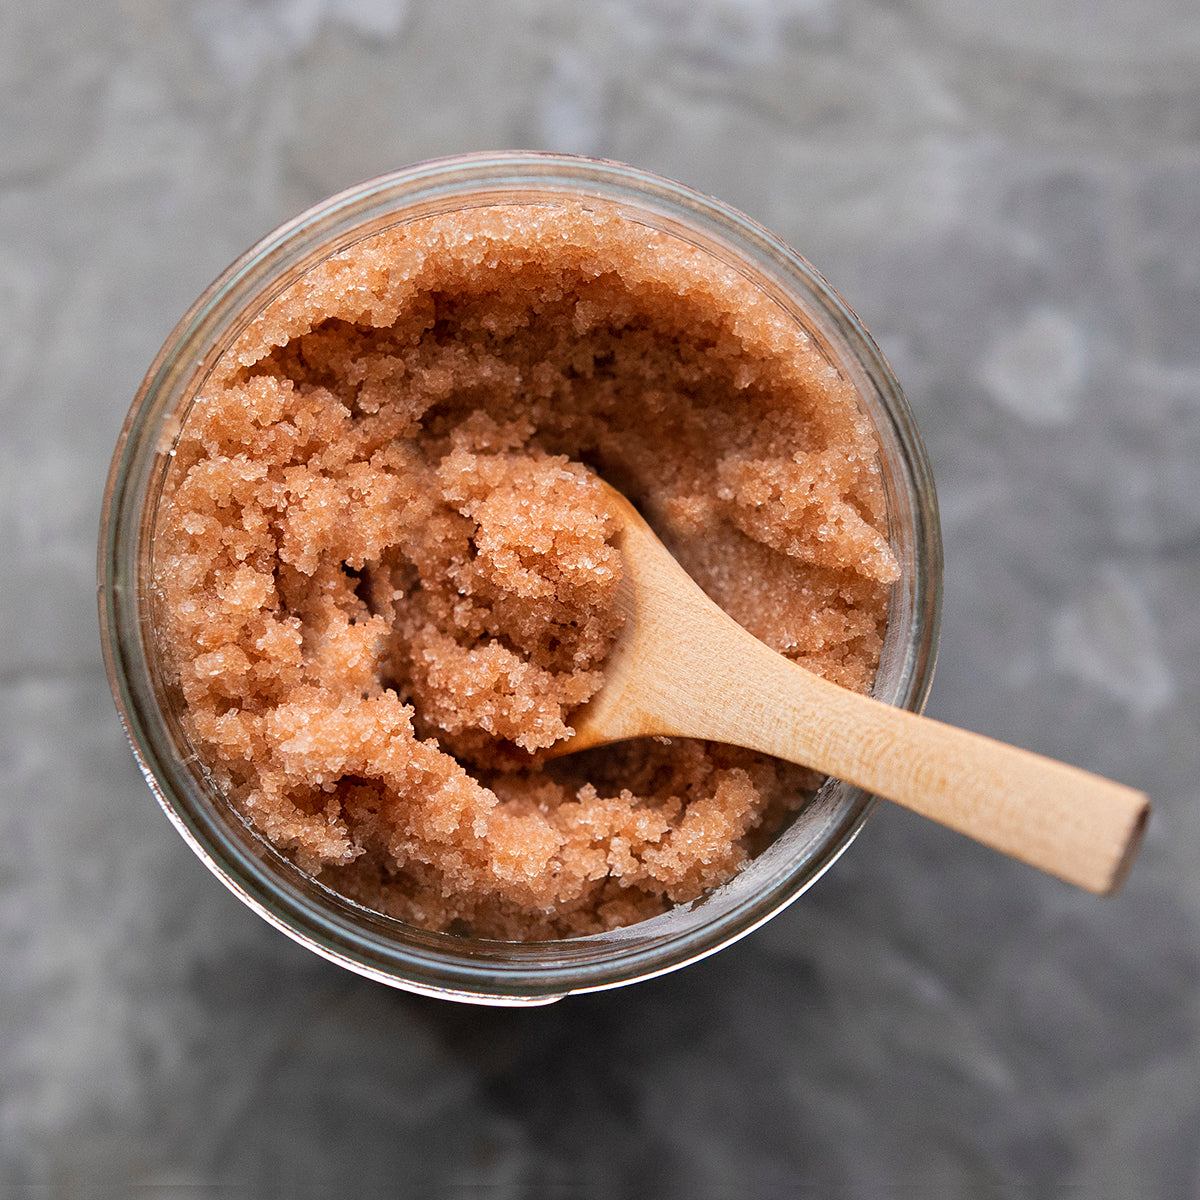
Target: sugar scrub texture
{"type": "Point", "coordinates": [385, 575]}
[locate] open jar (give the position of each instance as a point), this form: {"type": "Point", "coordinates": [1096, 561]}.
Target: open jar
{"type": "Point", "coordinates": [384, 948]}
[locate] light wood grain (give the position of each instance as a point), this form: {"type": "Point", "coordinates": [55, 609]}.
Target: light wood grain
{"type": "Point", "coordinates": [684, 668]}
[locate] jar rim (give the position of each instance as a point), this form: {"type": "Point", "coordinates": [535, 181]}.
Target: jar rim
{"type": "Point", "coordinates": [360, 939]}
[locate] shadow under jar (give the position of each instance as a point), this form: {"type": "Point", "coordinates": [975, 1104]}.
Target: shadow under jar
{"type": "Point", "coordinates": [618, 222]}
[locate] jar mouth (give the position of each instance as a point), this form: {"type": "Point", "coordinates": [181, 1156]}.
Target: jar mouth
{"type": "Point", "coordinates": [361, 939]}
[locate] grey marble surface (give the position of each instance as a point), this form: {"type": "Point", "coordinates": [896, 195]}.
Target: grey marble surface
{"type": "Point", "coordinates": [1009, 194]}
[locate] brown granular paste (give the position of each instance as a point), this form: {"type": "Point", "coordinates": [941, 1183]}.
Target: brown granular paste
{"type": "Point", "coordinates": [385, 577]}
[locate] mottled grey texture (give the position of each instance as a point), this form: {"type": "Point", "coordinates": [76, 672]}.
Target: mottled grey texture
{"type": "Point", "coordinates": [1009, 194]}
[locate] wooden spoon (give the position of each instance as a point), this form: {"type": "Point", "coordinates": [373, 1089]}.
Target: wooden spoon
{"type": "Point", "coordinates": [682, 667]}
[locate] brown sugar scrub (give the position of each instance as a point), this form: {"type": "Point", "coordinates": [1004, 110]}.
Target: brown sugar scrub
{"type": "Point", "coordinates": [384, 571]}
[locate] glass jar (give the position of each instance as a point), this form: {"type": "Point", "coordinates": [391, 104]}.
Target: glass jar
{"type": "Point", "coordinates": [377, 946]}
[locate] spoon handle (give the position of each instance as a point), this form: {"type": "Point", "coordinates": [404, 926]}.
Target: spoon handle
{"type": "Point", "coordinates": [687, 669]}
{"type": "Point", "coordinates": [1068, 822]}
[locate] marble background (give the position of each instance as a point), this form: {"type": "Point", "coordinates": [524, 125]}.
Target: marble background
{"type": "Point", "coordinates": [1009, 194]}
